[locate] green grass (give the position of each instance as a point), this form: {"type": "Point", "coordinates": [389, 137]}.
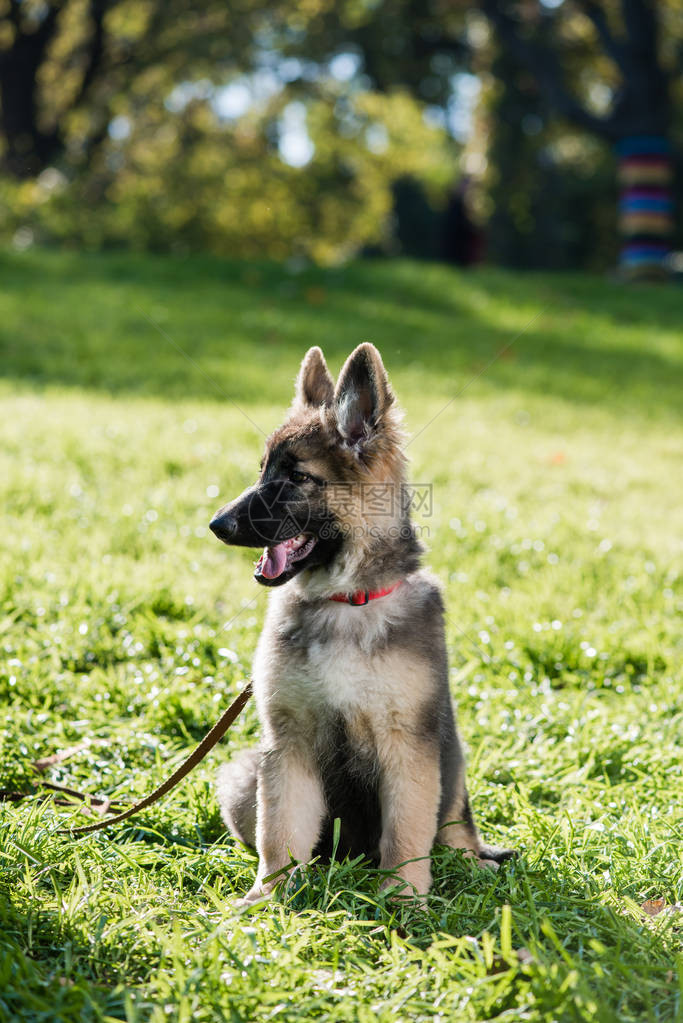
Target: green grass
{"type": "Point", "coordinates": [556, 531]}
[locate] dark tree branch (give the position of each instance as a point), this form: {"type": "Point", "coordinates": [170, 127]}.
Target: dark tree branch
{"type": "Point", "coordinates": [128, 64]}
{"type": "Point", "coordinates": [640, 21]}
{"type": "Point", "coordinates": [49, 23]}
{"type": "Point", "coordinates": [646, 88]}
{"type": "Point", "coordinates": [33, 40]}
{"type": "Point", "coordinates": [96, 63]}
{"type": "Point", "coordinates": [614, 49]}
{"type": "Point", "coordinates": [105, 64]}
{"type": "Point", "coordinates": [15, 13]}
{"type": "Point", "coordinates": [544, 65]}
{"type": "Point", "coordinates": [98, 9]}
{"type": "Point", "coordinates": [29, 147]}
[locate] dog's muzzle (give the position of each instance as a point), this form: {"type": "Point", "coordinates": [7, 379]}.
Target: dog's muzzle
{"type": "Point", "coordinates": [224, 526]}
{"type": "Point", "coordinates": [265, 514]}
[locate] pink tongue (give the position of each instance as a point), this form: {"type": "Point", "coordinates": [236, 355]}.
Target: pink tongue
{"type": "Point", "coordinates": [274, 561]}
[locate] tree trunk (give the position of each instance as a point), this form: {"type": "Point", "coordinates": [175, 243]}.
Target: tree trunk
{"type": "Point", "coordinates": [646, 209]}
{"type": "Point", "coordinates": [29, 148]}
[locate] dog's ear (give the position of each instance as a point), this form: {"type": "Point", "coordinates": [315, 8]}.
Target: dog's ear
{"type": "Point", "coordinates": [363, 395]}
{"type": "Point", "coordinates": [314, 384]}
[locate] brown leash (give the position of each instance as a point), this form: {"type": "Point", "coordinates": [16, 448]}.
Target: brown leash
{"type": "Point", "coordinates": [205, 746]}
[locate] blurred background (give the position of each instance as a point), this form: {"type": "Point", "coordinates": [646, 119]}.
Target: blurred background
{"type": "Point", "coordinates": [527, 133]}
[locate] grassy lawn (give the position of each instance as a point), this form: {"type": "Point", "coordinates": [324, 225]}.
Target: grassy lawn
{"type": "Point", "coordinates": [556, 531]}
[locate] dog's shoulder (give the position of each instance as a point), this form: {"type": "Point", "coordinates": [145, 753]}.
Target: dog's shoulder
{"type": "Point", "coordinates": [425, 591]}
{"type": "Point", "coordinates": [418, 626]}
{"type": "Point", "coordinates": [420, 608]}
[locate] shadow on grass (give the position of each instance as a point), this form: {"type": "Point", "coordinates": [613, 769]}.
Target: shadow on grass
{"type": "Point", "coordinates": [116, 322]}
{"type": "Point", "coordinates": [47, 971]}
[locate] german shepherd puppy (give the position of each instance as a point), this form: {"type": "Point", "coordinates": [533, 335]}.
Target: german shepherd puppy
{"type": "Point", "coordinates": [350, 675]}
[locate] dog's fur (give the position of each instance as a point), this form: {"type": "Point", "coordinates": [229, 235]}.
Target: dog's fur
{"type": "Point", "coordinates": [353, 701]}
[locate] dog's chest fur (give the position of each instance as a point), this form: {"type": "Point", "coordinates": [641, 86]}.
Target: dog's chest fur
{"type": "Point", "coordinates": [322, 664]}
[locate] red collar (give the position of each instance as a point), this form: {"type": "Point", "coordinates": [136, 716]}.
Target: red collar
{"type": "Point", "coordinates": [362, 597]}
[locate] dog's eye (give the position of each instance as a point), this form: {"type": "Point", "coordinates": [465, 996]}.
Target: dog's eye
{"type": "Point", "coordinates": [298, 477]}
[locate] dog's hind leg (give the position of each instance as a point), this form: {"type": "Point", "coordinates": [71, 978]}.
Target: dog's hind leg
{"type": "Point", "coordinates": [236, 785]}
{"type": "Point", "coordinates": [460, 832]}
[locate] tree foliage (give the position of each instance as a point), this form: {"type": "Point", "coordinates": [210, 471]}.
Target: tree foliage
{"type": "Point", "coordinates": [186, 179]}
{"type": "Point", "coordinates": [111, 130]}
{"type": "Point", "coordinates": [68, 66]}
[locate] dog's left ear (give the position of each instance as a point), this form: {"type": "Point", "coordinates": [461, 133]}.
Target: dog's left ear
{"type": "Point", "coordinates": [314, 384]}
{"type": "Point", "coordinates": [363, 395]}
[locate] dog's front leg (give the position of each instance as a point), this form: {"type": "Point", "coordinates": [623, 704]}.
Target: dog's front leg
{"type": "Point", "coordinates": [289, 812]}
{"type": "Point", "coordinates": [410, 789]}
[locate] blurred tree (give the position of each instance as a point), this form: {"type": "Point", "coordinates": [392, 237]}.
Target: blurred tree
{"type": "Point", "coordinates": [187, 179]}
{"type": "Point", "coordinates": [110, 125]}
{"type": "Point", "coordinates": [65, 65]}
{"type": "Point", "coordinates": [550, 192]}
{"type": "Point", "coordinates": [111, 130]}
{"type": "Point", "coordinates": [623, 96]}
{"type": "Point", "coordinates": [608, 68]}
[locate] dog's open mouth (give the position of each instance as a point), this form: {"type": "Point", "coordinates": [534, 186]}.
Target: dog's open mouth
{"type": "Point", "coordinates": [279, 558]}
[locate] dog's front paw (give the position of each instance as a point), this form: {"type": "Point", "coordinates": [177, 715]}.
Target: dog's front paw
{"type": "Point", "coordinates": [409, 883]}
{"type": "Point", "coordinates": [492, 856]}
{"type": "Point", "coordinates": [284, 881]}
{"type": "Point", "coordinates": [258, 895]}
{"type": "Point", "coordinates": [400, 895]}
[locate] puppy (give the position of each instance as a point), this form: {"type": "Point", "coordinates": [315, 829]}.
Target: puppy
{"type": "Point", "coordinates": [350, 674]}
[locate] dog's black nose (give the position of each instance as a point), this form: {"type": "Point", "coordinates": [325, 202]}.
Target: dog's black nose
{"type": "Point", "coordinates": [224, 525]}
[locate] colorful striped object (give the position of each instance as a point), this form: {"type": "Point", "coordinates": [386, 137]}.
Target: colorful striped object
{"type": "Point", "coordinates": [645, 205]}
